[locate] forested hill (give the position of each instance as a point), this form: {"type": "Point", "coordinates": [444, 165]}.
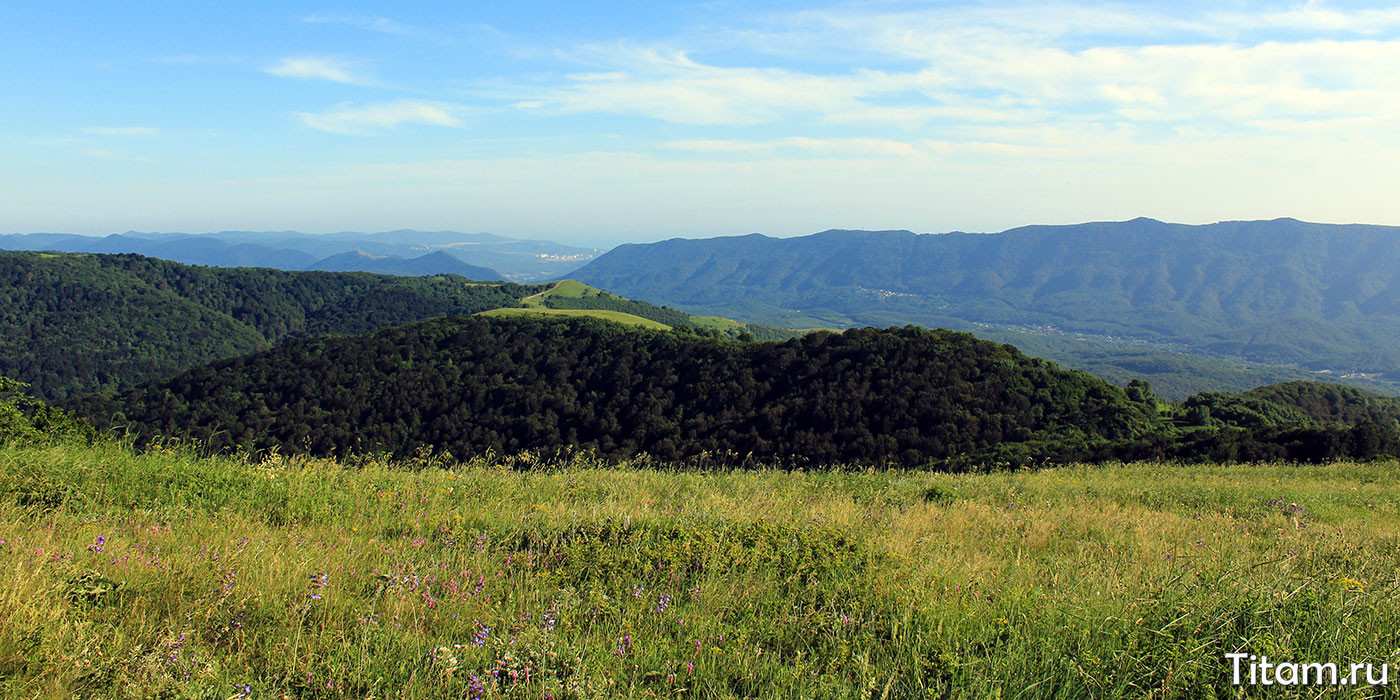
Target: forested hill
{"type": "Point", "coordinates": [1281, 291]}
{"type": "Point", "coordinates": [471, 384]}
{"type": "Point", "coordinates": [80, 323]}
{"type": "Point", "coordinates": [1329, 403]}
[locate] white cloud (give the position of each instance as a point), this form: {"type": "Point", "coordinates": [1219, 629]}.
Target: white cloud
{"type": "Point", "coordinates": [353, 119]}
{"type": "Point", "coordinates": [120, 130]}
{"type": "Point", "coordinates": [317, 68]}
{"type": "Point", "coordinates": [963, 68]}
{"type": "Point", "coordinates": [1315, 17]}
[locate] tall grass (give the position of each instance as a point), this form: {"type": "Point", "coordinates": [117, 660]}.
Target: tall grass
{"type": "Point", "coordinates": [165, 574]}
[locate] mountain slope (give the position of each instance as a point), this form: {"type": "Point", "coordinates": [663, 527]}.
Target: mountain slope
{"type": "Point", "coordinates": [79, 323]}
{"type": "Point", "coordinates": [471, 384]}
{"type": "Point", "coordinates": [67, 328]}
{"type": "Point", "coordinates": [1280, 291]}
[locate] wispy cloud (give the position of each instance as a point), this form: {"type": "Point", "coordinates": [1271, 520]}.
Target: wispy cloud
{"type": "Point", "coordinates": [817, 146]}
{"type": "Point", "coordinates": [675, 88]}
{"type": "Point", "coordinates": [120, 130]}
{"type": "Point", "coordinates": [359, 119]}
{"type": "Point", "coordinates": [371, 23]}
{"type": "Point", "coordinates": [1316, 17]}
{"type": "Point", "coordinates": [318, 68]}
{"type": "Point", "coordinates": [426, 34]}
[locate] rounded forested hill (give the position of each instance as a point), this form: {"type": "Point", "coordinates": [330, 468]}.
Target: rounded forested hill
{"type": "Point", "coordinates": [471, 384]}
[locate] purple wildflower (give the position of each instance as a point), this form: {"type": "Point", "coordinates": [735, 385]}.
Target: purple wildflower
{"type": "Point", "coordinates": [319, 582]}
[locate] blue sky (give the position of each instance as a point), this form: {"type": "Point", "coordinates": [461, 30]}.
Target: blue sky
{"type": "Point", "coordinates": [610, 122]}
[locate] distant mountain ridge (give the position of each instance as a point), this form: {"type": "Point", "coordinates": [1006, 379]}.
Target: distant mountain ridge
{"type": "Point", "coordinates": [436, 263]}
{"type": "Point", "coordinates": [504, 258]}
{"type": "Point", "coordinates": [1281, 291]}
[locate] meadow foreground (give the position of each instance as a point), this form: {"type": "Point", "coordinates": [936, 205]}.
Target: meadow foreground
{"type": "Point", "coordinates": [165, 574]}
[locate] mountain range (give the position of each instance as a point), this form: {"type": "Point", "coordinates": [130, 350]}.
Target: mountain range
{"type": "Point", "coordinates": [481, 256]}
{"type": "Point", "coordinates": [1319, 297]}
{"type": "Point", "coordinates": [436, 263]}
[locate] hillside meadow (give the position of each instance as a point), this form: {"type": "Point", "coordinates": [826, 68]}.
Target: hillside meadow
{"type": "Point", "coordinates": [166, 574]}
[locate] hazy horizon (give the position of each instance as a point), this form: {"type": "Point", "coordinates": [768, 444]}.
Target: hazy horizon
{"type": "Point", "coordinates": [610, 123]}
{"type": "Point", "coordinates": [585, 243]}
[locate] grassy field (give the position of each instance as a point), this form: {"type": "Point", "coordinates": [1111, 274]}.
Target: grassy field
{"type": "Point", "coordinates": [564, 289]}
{"type": "Point", "coordinates": [617, 316]}
{"type": "Point", "coordinates": [717, 323]}
{"type": "Point", "coordinates": [169, 575]}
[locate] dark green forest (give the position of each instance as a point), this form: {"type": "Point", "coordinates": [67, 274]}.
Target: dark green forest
{"type": "Point", "coordinates": [73, 324]}
{"type": "Point", "coordinates": [470, 384]}
{"type": "Point", "coordinates": [899, 396]}
{"type": "Point", "coordinates": [1330, 403]}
